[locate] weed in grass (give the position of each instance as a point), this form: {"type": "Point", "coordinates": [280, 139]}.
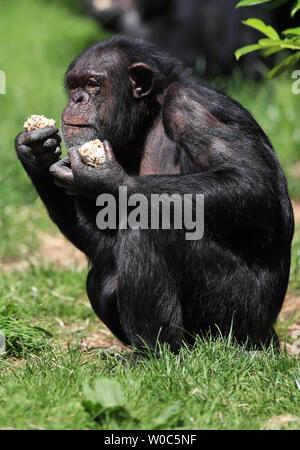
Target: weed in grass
{"type": "Point", "coordinates": [20, 337]}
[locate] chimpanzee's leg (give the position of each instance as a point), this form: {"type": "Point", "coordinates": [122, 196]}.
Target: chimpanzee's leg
{"type": "Point", "coordinates": [148, 302]}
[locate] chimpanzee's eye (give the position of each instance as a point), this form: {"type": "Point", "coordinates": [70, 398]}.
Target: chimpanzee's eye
{"type": "Point", "coordinates": [72, 87]}
{"type": "Point", "coordinates": [92, 83]}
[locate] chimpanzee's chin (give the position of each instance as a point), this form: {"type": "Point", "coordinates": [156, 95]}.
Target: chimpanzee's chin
{"type": "Point", "coordinates": [75, 136]}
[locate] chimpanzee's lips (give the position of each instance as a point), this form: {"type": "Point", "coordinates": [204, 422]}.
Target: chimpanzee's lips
{"type": "Point", "coordinates": [77, 125]}
{"type": "Point", "coordinates": [74, 134]}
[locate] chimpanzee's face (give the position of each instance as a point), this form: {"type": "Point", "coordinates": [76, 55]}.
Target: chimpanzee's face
{"type": "Point", "coordinates": [105, 98]}
{"type": "Point", "coordinates": [83, 119]}
{"type": "Point", "coordinates": [93, 97]}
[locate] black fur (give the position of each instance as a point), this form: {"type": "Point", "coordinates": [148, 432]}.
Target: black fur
{"type": "Point", "coordinates": [145, 283]}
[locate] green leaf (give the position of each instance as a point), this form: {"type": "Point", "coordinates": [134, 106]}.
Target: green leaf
{"type": "Point", "coordinates": [295, 8]}
{"type": "Point", "coordinates": [108, 393]}
{"type": "Point", "coordinates": [247, 49]}
{"type": "Point", "coordinates": [270, 51]}
{"type": "Point", "coordinates": [284, 65]}
{"type": "Point", "coordinates": [259, 25]}
{"type": "Point", "coordinates": [167, 416]}
{"type": "Point", "coordinates": [94, 409]}
{"type": "Point", "coordinates": [265, 42]}
{"type": "Point", "coordinates": [296, 41]}
{"type": "Point", "coordinates": [273, 3]}
{"type": "Point", "coordinates": [106, 397]}
{"type": "Point", "coordinates": [293, 31]}
{"type": "Point", "coordinates": [251, 2]}
{"type": "Point", "coordinates": [292, 44]}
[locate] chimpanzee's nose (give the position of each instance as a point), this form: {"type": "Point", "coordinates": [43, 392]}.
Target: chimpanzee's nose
{"type": "Point", "coordinates": [80, 96]}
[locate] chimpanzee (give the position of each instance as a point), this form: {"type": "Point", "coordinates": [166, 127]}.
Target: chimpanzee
{"type": "Point", "coordinates": [166, 133]}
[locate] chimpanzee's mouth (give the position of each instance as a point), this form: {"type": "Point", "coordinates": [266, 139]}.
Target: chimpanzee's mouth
{"type": "Point", "coordinates": [74, 134]}
{"type": "Point", "coordinates": [77, 125]}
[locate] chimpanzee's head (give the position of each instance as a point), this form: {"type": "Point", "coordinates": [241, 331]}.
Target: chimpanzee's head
{"type": "Point", "coordinates": [113, 90]}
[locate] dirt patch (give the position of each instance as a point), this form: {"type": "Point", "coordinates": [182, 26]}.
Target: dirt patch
{"type": "Point", "coordinates": [102, 341]}
{"type": "Point", "coordinates": [296, 208]}
{"type": "Point", "coordinates": [14, 265]}
{"type": "Point", "coordinates": [95, 336]}
{"type": "Point", "coordinates": [296, 170]}
{"type": "Point", "coordinates": [54, 249]}
{"type": "Point", "coordinates": [289, 322]}
{"type": "Point", "coordinates": [281, 422]}
{"type": "Point", "coordinates": [290, 305]}
{"type": "Point", "coordinates": [59, 251]}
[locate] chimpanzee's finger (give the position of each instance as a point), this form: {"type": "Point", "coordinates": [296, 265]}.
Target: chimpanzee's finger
{"type": "Point", "coordinates": [52, 142]}
{"type": "Point", "coordinates": [75, 159]}
{"type": "Point", "coordinates": [61, 171]}
{"type": "Point", "coordinates": [31, 137]}
{"type": "Point", "coordinates": [48, 146]}
{"type": "Point", "coordinates": [109, 153]}
{"type": "Point", "coordinates": [48, 157]}
{"type": "Point", "coordinates": [49, 153]}
{"type": "Point", "coordinates": [19, 141]}
{"type": "Point", "coordinates": [25, 153]}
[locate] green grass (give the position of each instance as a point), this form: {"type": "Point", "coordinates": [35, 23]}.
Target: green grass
{"type": "Point", "coordinates": [217, 386]}
{"type": "Point", "coordinates": [44, 311]}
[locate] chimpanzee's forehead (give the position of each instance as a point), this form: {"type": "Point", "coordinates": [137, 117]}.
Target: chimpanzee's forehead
{"type": "Point", "coordinates": [83, 73]}
{"type": "Point", "coordinates": [100, 60]}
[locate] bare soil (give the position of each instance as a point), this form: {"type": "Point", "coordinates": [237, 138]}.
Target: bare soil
{"type": "Point", "coordinates": [59, 251]}
{"type": "Point", "coordinates": [296, 208]}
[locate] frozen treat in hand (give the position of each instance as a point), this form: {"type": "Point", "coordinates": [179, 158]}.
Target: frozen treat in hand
{"type": "Point", "coordinates": [93, 153]}
{"type": "Point", "coordinates": [34, 122]}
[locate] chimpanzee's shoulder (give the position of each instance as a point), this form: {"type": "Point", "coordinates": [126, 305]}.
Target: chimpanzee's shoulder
{"type": "Point", "coordinates": [184, 112]}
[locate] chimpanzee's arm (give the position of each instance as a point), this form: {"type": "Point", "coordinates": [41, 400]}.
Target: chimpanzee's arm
{"type": "Point", "coordinates": [37, 150]}
{"type": "Point", "coordinates": [234, 197]}
{"type": "Point", "coordinates": [63, 210]}
{"type": "Point", "coordinates": [232, 165]}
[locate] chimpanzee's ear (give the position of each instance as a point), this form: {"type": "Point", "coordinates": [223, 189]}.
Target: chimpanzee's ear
{"type": "Point", "coordinates": [141, 78]}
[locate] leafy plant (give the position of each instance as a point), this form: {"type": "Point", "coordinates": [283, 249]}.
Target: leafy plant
{"type": "Point", "coordinates": [105, 398]}
{"type": "Point", "coordinates": [20, 337]}
{"type": "Point", "coordinates": [167, 417]}
{"type": "Point", "coordinates": [273, 43]}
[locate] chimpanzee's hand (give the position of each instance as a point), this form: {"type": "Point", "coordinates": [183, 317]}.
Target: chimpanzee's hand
{"type": "Point", "coordinates": [78, 178]}
{"type": "Point", "coordinates": [39, 149]}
